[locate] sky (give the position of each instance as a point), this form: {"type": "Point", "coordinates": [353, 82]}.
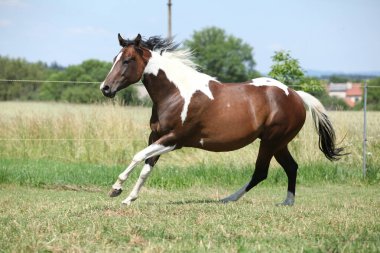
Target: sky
{"type": "Point", "coordinates": [341, 36]}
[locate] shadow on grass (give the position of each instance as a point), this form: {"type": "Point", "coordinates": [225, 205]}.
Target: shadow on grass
{"type": "Point", "coordinates": [195, 201]}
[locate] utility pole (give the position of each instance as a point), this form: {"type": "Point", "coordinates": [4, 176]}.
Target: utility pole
{"type": "Point", "coordinates": [169, 19]}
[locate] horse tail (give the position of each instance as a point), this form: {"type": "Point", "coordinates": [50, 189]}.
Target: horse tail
{"type": "Point", "coordinates": [327, 142]}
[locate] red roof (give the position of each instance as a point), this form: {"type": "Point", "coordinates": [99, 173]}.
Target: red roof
{"type": "Point", "coordinates": [355, 91]}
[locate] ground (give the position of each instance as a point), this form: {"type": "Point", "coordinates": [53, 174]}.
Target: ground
{"type": "Point", "coordinates": [331, 218]}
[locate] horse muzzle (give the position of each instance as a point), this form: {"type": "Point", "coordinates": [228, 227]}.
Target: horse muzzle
{"type": "Point", "coordinates": [107, 91]}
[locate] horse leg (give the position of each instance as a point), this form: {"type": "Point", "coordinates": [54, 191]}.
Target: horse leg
{"type": "Point", "coordinates": [285, 159]}
{"type": "Point", "coordinates": [146, 170]}
{"type": "Point", "coordinates": [260, 173]}
{"type": "Point", "coordinates": [155, 149]}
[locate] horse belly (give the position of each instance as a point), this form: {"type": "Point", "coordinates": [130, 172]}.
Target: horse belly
{"type": "Point", "coordinates": [229, 131]}
{"type": "Point", "coordinates": [232, 120]}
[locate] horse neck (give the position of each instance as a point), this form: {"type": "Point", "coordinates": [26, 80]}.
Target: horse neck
{"type": "Point", "coordinates": [158, 86]}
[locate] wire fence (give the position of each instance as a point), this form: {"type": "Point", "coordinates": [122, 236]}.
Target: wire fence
{"type": "Point", "coordinates": [98, 82]}
{"type": "Point", "coordinates": [364, 87]}
{"type": "Point", "coordinates": [46, 81]}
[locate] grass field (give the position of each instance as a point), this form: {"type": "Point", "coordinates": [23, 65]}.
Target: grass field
{"type": "Point", "coordinates": [57, 162]}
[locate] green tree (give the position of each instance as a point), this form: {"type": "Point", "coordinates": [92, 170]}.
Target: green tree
{"type": "Point", "coordinates": [224, 56]}
{"type": "Point", "coordinates": [19, 69]}
{"type": "Point", "coordinates": [88, 71]}
{"type": "Point", "coordinates": [287, 70]}
{"type": "Point", "coordinates": [338, 79]}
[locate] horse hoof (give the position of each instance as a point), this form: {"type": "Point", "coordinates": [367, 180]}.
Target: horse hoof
{"type": "Point", "coordinates": [115, 192]}
{"type": "Point", "coordinates": [285, 204]}
{"type": "Point", "coordinates": [226, 200]}
{"type": "Point", "coordinates": [128, 201]}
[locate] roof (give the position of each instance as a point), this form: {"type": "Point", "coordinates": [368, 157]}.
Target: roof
{"type": "Point", "coordinates": [355, 91]}
{"type": "Point", "coordinates": [338, 87]}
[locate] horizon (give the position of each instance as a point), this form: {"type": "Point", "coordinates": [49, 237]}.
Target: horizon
{"type": "Point", "coordinates": [335, 37]}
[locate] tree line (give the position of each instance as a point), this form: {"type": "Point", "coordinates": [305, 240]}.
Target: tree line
{"type": "Point", "coordinates": [217, 53]}
{"type": "Point", "coordinates": [82, 84]}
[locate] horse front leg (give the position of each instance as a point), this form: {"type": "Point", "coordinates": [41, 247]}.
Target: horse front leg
{"type": "Point", "coordinates": [153, 150]}
{"type": "Point", "coordinates": [146, 170]}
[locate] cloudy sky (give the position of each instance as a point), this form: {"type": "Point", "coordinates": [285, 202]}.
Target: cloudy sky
{"type": "Point", "coordinates": [328, 35]}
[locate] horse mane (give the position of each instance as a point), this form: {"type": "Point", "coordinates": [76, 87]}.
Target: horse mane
{"type": "Point", "coordinates": [157, 43]}
{"type": "Point", "coordinates": [170, 50]}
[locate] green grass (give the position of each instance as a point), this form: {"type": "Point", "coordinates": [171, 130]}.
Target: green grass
{"type": "Point", "coordinates": [58, 161]}
{"type": "Point", "coordinates": [40, 173]}
{"type": "Point", "coordinates": [325, 219]}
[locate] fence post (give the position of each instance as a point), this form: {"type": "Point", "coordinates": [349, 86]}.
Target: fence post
{"type": "Point", "coordinates": [365, 130]}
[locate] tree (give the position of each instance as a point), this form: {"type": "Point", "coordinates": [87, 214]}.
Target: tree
{"type": "Point", "coordinates": [287, 70]}
{"type": "Point", "coordinates": [87, 71]}
{"type": "Point", "coordinates": [16, 69]}
{"type": "Point", "coordinates": [224, 56]}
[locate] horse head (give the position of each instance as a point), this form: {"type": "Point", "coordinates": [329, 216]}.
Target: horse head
{"type": "Point", "coordinates": [128, 66]}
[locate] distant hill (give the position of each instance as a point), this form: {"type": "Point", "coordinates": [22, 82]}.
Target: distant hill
{"type": "Point", "coordinates": [354, 75]}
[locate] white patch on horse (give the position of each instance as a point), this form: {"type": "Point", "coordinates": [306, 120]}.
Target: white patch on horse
{"type": "Point", "coordinates": [152, 150]}
{"type": "Point", "coordinates": [181, 71]}
{"type": "Point", "coordinates": [140, 182]}
{"type": "Point", "coordinates": [201, 142]}
{"type": "Point", "coordinates": [265, 81]}
{"type": "Point", "coordinates": [113, 66]}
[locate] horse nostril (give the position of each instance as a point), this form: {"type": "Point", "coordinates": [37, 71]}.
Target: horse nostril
{"type": "Point", "coordinates": [105, 88]}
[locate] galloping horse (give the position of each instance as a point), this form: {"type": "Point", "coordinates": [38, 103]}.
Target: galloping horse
{"type": "Point", "coordinates": [192, 109]}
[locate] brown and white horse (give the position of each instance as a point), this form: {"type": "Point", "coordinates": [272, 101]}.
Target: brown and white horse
{"type": "Point", "coordinates": [192, 109]}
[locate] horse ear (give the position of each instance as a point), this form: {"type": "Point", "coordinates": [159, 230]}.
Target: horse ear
{"type": "Point", "coordinates": [121, 40]}
{"type": "Point", "coordinates": [138, 40]}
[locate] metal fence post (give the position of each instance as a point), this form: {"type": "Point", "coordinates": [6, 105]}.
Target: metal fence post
{"type": "Point", "coordinates": [365, 130]}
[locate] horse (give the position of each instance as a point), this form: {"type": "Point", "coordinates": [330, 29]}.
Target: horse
{"type": "Point", "coordinates": [193, 109]}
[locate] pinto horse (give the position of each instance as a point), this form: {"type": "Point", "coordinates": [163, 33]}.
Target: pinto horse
{"type": "Point", "coordinates": [192, 109]}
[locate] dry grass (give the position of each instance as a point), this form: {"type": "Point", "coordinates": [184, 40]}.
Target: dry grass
{"type": "Point", "coordinates": [111, 134]}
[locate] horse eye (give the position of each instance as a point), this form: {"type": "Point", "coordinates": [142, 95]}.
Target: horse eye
{"type": "Point", "coordinates": [127, 61]}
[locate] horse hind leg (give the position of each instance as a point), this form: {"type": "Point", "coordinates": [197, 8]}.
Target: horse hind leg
{"type": "Point", "coordinates": [285, 159]}
{"type": "Point", "coordinates": [260, 173]}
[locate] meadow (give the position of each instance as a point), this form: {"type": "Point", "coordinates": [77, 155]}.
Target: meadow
{"type": "Point", "coordinates": [57, 162]}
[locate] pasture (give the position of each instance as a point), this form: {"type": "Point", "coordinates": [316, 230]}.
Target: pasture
{"type": "Point", "coordinates": [58, 162]}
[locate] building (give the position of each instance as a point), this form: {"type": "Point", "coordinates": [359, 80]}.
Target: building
{"type": "Point", "coordinates": [351, 93]}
